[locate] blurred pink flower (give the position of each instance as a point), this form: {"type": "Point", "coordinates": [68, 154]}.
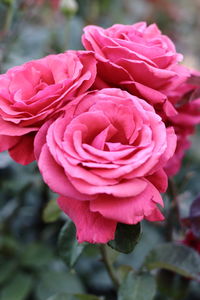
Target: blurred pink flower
{"type": "Point", "coordinates": [186, 100]}
{"type": "Point", "coordinates": [192, 241]}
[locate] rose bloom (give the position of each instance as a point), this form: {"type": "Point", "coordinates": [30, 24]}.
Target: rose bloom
{"type": "Point", "coordinates": [137, 58]}
{"type": "Point", "coordinates": [186, 99]}
{"type": "Point", "coordinates": [32, 93]}
{"type": "Point", "coordinates": [105, 157]}
{"type": "Point", "coordinates": [174, 164]}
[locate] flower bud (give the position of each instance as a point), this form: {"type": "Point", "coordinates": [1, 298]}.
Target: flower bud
{"type": "Point", "coordinates": [68, 7]}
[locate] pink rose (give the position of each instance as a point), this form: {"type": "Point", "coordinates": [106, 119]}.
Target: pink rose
{"type": "Point", "coordinates": [174, 164]}
{"type": "Point", "coordinates": [34, 92]}
{"type": "Point", "coordinates": [186, 99]}
{"type": "Point", "coordinates": [184, 125]}
{"type": "Point", "coordinates": [105, 157]}
{"type": "Point", "coordinates": [137, 58]}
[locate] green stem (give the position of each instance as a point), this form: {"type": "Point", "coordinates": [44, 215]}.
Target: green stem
{"type": "Point", "coordinates": [9, 18]}
{"type": "Point", "coordinates": [109, 267]}
{"type": "Point", "coordinates": [173, 193]}
{"type": "Point", "coordinates": [173, 215]}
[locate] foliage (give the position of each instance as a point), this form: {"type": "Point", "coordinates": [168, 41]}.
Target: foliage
{"type": "Point", "coordinates": [126, 237]}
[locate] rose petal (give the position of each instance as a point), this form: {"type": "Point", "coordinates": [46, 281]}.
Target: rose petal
{"type": "Point", "coordinates": [23, 155]}
{"type": "Point", "coordinates": [54, 176]}
{"type": "Point", "coordinates": [7, 142]}
{"type": "Point", "coordinates": [124, 189]}
{"type": "Point", "coordinates": [40, 138]}
{"type": "Point", "coordinates": [159, 179]}
{"type": "Point", "coordinates": [91, 226]}
{"type": "Point", "coordinates": [128, 210]}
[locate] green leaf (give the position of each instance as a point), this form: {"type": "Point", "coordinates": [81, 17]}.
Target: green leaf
{"type": "Point", "coordinates": [123, 271]}
{"type": "Point", "coordinates": [172, 285]}
{"type": "Point", "coordinates": [51, 213]}
{"type": "Point", "coordinates": [68, 247]}
{"type": "Point", "coordinates": [137, 287]}
{"type": "Point", "coordinates": [175, 257]}
{"type": "Point", "coordinates": [126, 237]}
{"type": "Point", "coordinates": [6, 270]}
{"type": "Point", "coordinates": [18, 288]}
{"type": "Point", "coordinates": [36, 255]}
{"type": "Point", "coordinates": [53, 282]}
{"type": "Point", "coordinates": [9, 246]}
{"type": "Point", "coordinates": [85, 297]}
{"type": "Point", "coordinates": [63, 296]}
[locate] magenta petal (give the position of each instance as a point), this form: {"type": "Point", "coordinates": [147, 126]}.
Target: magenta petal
{"type": "Point", "coordinates": [55, 177]}
{"type": "Point", "coordinates": [160, 180]}
{"type": "Point", "coordinates": [155, 216]}
{"type": "Point", "coordinates": [169, 109]}
{"type": "Point", "coordinates": [22, 152]}
{"type": "Point", "coordinates": [138, 89]}
{"type": "Point", "coordinates": [40, 139]}
{"type": "Point", "coordinates": [128, 188]}
{"type": "Point", "coordinates": [8, 128]}
{"type": "Point", "coordinates": [91, 226]}
{"type": "Point", "coordinates": [171, 146]}
{"type": "Point", "coordinates": [7, 142]}
{"type": "Point", "coordinates": [89, 70]}
{"type": "Point", "coordinates": [129, 210]}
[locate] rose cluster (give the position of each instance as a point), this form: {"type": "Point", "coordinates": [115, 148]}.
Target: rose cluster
{"type": "Point", "coordinates": [107, 125]}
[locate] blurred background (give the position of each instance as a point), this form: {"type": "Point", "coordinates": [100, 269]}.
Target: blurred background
{"type": "Point", "coordinates": [29, 219]}
{"type": "Point", "coordinates": [30, 29]}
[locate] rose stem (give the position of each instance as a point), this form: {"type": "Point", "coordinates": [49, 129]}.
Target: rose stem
{"type": "Point", "coordinates": [173, 191]}
{"type": "Point", "coordinates": [108, 265]}
{"type": "Point", "coordinates": [174, 209]}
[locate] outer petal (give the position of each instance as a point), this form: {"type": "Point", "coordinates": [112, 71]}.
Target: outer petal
{"type": "Point", "coordinates": [155, 215]}
{"type": "Point", "coordinates": [40, 138]}
{"type": "Point", "coordinates": [174, 164]}
{"type": "Point", "coordinates": [171, 146]}
{"type": "Point", "coordinates": [8, 128]}
{"type": "Point", "coordinates": [91, 226]}
{"type": "Point", "coordinates": [89, 69]}
{"type": "Point", "coordinates": [159, 179]}
{"type": "Point", "coordinates": [128, 210]}
{"type": "Point", "coordinates": [140, 90]}
{"type": "Point", "coordinates": [22, 152]}
{"type": "Point", "coordinates": [7, 142]}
